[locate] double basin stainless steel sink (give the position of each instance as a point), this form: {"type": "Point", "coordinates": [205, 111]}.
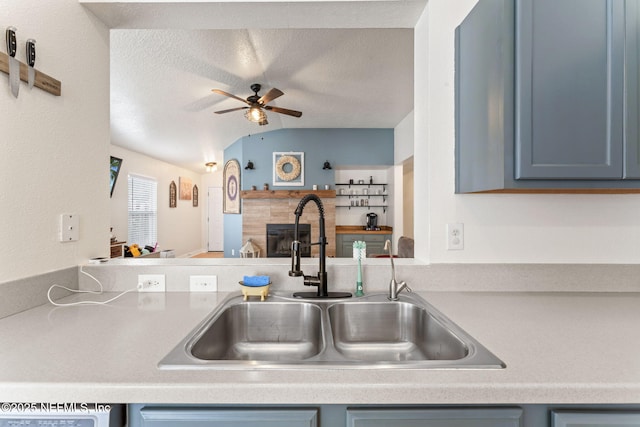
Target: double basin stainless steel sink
{"type": "Point", "coordinates": [366, 332]}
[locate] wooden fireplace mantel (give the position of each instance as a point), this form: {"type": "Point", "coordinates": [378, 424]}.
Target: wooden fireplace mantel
{"type": "Point", "coordinates": [285, 194]}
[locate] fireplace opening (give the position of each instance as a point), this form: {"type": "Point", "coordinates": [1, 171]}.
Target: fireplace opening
{"type": "Point", "coordinates": [280, 237]}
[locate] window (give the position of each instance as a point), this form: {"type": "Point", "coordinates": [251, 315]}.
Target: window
{"type": "Point", "coordinates": [143, 211]}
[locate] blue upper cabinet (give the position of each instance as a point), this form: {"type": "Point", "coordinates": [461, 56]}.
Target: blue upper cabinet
{"type": "Point", "coordinates": [484, 97]}
{"type": "Point", "coordinates": [550, 105]}
{"type": "Point", "coordinates": [569, 74]}
{"type": "Point", "coordinates": [569, 89]}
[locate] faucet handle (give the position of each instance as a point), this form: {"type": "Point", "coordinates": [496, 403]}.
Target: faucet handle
{"type": "Point", "coordinates": [406, 287]}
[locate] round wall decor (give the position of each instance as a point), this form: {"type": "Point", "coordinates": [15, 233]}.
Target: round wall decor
{"type": "Point", "coordinates": [288, 169]}
{"type": "Point", "coordinates": [295, 168]}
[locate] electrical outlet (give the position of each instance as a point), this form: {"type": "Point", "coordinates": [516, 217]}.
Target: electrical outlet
{"type": "Point", "coordinates": [455, 236]}
{"type": "Point", "coordinates": [233, 252]}
{"type": "Point", "coordinates": [151, 283]}
{"type": "Point", "coordinates": [203, 283]}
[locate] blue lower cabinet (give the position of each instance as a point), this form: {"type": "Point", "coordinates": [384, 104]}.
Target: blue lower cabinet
{"type": "Point", "coordinates": [211, 417]}
{"type": "Point", "coordinates": [450, 417]}
{"type": "Point", "coordinates": [595, 419]}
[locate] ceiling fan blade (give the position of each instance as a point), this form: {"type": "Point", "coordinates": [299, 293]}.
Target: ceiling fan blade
{"type": "Point", "coordinates": [270, 96]}
{"type": "Point", "coordinates": [221, 92]}
{"type": "Point", "coordinates": [284, 111]}
{"type": "Point", "coordinates": [230, 110]}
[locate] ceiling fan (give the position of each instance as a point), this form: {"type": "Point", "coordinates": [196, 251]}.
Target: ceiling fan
{"type": "Point", "coordinates": [257, 104]}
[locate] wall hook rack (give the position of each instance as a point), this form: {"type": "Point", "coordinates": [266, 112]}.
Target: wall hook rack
{"type": "Point", "coordinates": [43, 81]}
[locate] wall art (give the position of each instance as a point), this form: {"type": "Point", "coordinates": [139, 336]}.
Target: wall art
{"type": "Point", "coordinates": [231, 182]}
{"type": "Point", "coordinates": [173, 194]}
{"type": "Point", "coordinates": [195, 196]}
{"type": "Point", "coordinates": [288, 169]}
{"type": "Point", "coordinates": [185, 188]}
{"type": "Point", "coordinates": [116, 164]}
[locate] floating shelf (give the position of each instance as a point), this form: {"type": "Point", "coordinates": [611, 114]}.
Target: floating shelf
{"type": "Point", "coordinates": [366, 184]}
{"type": "Point", "coordinates": [384, 207]}
{"type": "Point", "coordinates": [42, 81]}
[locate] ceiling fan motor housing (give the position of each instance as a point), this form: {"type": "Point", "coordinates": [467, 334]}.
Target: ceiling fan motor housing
{"type": "Point", "coordinates": [253, 99]}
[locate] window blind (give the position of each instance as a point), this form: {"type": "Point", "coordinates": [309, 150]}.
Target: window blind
{"type": "Point", "coordinates": [143, 211]}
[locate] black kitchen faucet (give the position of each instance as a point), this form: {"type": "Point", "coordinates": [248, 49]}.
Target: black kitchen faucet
{"type": "Point", "coordinates": [321, 279]}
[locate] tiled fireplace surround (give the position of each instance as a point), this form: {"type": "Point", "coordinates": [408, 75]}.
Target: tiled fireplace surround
{"type": "Point", "coordinates": [260, 208]}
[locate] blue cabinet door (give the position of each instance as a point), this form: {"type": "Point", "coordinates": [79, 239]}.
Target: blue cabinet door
{"type": "Point", "coordinates": [453, 417]}
{"type": "Point", "coordinates": [484, 97]}
{"type": "Point", "coordinates": [632, 91]}
{"type": "Point", "coordinates": [595, 418]}
{"type": "Point", "coordinates": [569, 89]}
{"type": "Point", "coordinates": [212, 417]}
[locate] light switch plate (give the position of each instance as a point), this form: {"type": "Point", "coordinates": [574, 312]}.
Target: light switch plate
{"type": "Point", "coordinates": [203, 283]}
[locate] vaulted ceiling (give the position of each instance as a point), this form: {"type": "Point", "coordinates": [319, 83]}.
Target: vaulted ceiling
{"type": "Point", "coordinates": [161, 78]}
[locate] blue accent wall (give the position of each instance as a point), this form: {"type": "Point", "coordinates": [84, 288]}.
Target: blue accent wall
{"type": "Point", "coordinates": [341, 147]}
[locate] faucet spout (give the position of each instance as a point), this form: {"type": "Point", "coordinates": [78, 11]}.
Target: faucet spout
{"type": "Point", "coordinates": [395, 287]}
{"type": "Point", "coordinates": [320, 280]}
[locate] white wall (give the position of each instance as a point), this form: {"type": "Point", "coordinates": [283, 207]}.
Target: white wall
{"type": "Point", "coordinates": [502, 228]}
{"type": "Point", "coordinates": [179, 228]}
{"type": "Point", "coordinates": [403, 138]}
{"type": "Point", "coordinates": [403, 141]}
{"type": "Point", "coordinates": [54, 149]}
{"type": "Point", "coordinates": [421, 108]}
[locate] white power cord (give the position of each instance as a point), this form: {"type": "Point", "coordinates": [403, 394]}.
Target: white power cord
{"type": "Point", "coordinates": [88, 302]}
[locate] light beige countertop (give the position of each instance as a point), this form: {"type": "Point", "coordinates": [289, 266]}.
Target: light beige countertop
{"type": "Point", "coordinates": [558, 347]}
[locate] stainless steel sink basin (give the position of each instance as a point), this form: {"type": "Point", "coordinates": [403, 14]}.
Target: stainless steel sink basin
{"type": "Point", "coordinates": [257, 331]}
{"type": "Point", "coordinates": [392, 331]}
{"type": "Point", "coordinates": [362, 333]}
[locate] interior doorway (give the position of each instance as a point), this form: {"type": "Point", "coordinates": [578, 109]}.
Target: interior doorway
{"type": "Point", "coordinates": [215, 220]}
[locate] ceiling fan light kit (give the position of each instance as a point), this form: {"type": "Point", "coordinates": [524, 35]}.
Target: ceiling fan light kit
{"type": "Point", "coordinates": [257, 104]}
{"type": "Point", "coordinates": [256, 115]}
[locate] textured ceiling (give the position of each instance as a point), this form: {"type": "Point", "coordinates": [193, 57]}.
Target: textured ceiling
{"type": "Point", "coordinates": [161, 81]}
